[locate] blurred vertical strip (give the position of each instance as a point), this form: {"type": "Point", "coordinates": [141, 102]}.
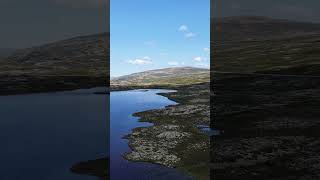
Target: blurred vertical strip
{"type": "Point", "coordinates": [107, 23]}
{"type": "Point", "coordinates": [211, 86]}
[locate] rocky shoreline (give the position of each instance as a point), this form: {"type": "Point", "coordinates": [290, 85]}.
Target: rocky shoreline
{"type": "Point", "coordinates": [174, 140]}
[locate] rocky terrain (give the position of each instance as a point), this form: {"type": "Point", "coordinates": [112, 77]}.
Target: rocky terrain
{"type": "Point", "coordinates": [266, 93]}
{"type": "Point", "coordinates": [266, 97]}
{"type": "Point", "coordinates": [175, 140]}
{"type": "Point", "coordinates": [79, 62]}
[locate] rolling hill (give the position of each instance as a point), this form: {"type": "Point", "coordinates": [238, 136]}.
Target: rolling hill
{"type": "Point", "coordinates": [164, 77]}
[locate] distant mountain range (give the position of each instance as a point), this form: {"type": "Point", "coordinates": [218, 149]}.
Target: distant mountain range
{"type": "Point", "coordinates": [167, 76]}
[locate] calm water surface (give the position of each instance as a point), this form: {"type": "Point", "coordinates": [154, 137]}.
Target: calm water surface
{"type": "Point", "coordinates": [43, 135]}
{"type": "Point", "coordinates": [122, 105]}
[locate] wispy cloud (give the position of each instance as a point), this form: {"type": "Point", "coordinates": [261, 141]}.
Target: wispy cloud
{"type": "Point", "coordinates": [199, 59]}
{"type": "Point", "coordinates": [185, 30]}
{"type": "Point", "coordinates": [201, 62]}
{"type": "Point", "coordinates": [174, 63]}
{"type": "Point", "coordinates": [141, 61]}
{"type": "Point", "coordinates": [206, 49]}
{"type": "Point", "coordinates": [189, 35]}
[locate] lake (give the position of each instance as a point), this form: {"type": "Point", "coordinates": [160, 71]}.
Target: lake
{"type": "Point", "coordinates": [43, 135]}
{"type": "Point", "coordinates": [122, 105]}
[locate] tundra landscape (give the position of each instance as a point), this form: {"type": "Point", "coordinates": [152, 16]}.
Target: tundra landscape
{"type": "Point", "coordinates": [264, 94]}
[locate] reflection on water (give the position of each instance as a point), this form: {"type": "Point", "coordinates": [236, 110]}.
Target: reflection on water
{"type": "Point", "coordinates": [43, 135]}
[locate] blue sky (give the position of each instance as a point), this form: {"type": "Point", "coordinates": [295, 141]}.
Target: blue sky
{"type": "Point", "coordinates": [153, 34]}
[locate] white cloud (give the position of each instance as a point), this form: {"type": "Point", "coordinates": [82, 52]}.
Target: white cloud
{"type": "Point", "coordinates": [206, 49]}
{"type": "Point", "coordinates": [141, 61]}
{"type": "Point", "coordinates": [147, 58]}
{"type": "Point", "coordinates": [189, 35]}
{"type": "Point", "coordinates": [198, 59]}
{"type": "Point", "coordinates": [183, 28]}
{"type": "Point", "coordinates": [173, 63]}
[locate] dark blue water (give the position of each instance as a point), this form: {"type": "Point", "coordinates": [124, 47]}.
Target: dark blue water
{"type": "Point", "coordinates": [122, 105]}
{"type": "Point", "coordinates": [43, 135]}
